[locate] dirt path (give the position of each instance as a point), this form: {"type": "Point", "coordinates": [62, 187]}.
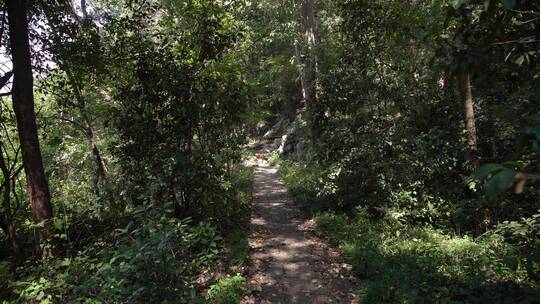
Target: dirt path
{"type": "Point", "coordinates": [291, 265]}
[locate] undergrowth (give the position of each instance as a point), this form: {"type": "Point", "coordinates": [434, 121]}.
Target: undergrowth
{"type": "Point", "coordinates": [155, 258]}
{"type": "Point", "coordinates": [405, 263]}
{"type": "Point", "coordinates": [227, 291]}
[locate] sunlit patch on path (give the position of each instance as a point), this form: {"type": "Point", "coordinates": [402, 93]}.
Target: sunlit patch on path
{"type": "Point", "coordinates": [290, 264]}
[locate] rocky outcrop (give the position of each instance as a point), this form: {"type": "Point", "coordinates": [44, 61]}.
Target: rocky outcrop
{"type": "Point", "coordinates": [276, 130]}
{"type": "Point", "coordinates": [292, 143]}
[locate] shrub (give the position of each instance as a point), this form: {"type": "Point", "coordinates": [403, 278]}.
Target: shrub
{"type": "Point", "coordinates": [6, 278]}
{"type": "Point", "coordinates": [406, 264]}
{"type": "Point", "coordinates": [524, 235]}
{"type": "Point", "coordinates": [154, 262]}
{"type": "Point", "coordinates": [305, 184]}
{"type": "Point", "coordinates": [227, 291]}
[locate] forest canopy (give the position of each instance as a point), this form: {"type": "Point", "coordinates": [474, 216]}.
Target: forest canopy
{"type": "Point", "coordinates": [409, 130]}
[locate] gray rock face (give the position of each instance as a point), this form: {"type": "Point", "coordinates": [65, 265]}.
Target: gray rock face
{"type": "Point", "coordinates": [287, 138]}
{"type": "Point", "coordinates": [283, 144]}
{"type": "Point", "coordinates": [276, 130]}
{"type": "Point", "coordinates": [292, 145]}
{"type": "Point", "coordinates": [299, 150]}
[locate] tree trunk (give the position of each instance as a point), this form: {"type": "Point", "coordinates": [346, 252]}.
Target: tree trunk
{"type": "Point", "coordinates": [84, 10]}
{"type": "Point", "coordinates": [101, 169]}
{"type": "Point", "coordinates": [311, 68]}
{"type": "Point", "coordinates": [470, 121]}
{"type": "Point", "coordinates": [6, 222]}
{"type": "Point", "coordinates": [301, 70]}
{"type": "Point", "coordinates": [23, 105]}
{"type": "Point", "coordinates": [444, 83]}
{"type": "Point", "coordinates": [100, 176]}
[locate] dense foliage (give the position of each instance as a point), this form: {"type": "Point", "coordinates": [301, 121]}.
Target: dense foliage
{"type": "Point", "coordinates": [411, 129]}
{"type": "Point", "coordinates": [411, 262]}
{"type": "Point", "coordinates": [393, 80]}
{"type": "Point", "coordinates": [140, 117]}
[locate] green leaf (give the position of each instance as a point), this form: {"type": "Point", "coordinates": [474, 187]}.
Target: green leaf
{"type": "Point", "coordinates": [509, 4]}
{"type": "Point", "coordinates": [486, 170]}
{"type": "Point", "coordinates": [58, 224]}
{"type": "Point", "coordinates": [536, 147]}
{"type": "Point", "coordinates": [499, 183]}
{"type": "Point", "coordinates": [532, 131]}
{"type": "Point", "coordinates": [511, 262]}
{"type": "Point", "coordinates": [65, 262]}
{"type": "Point", "coordinates": [458, 3]}
{"type": "Point", "coordinates": [39, 225]}
{"type": "Point", "coordinates": [520, 60]}
{"type": "Point", "coordinates": [487, 4]}
{"type": "Point", "coordinates": [423, 34]}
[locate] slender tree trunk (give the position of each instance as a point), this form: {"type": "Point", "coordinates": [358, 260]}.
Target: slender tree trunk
{"type": "Point", "coordinates": [470, 121]}
{"type": "Point", "coordinates": [23, 105]}
{"type": "Point", "coordinates": [301, 71]}
{"type": "Point", "coordinates": [101, 168]}
{"type": "Point", "coordinates": [311, 68]}
{"type": "Point", "coordinates": [100, 179]}
{"type": "Point", "coordinates": [84, 10]}
{"type": "Point", "coordinates": [444, 83]}
{"type": "Point", "coordinates": [7, 220]}
{"type": "Point", "coordinates": [298, 62]}
{"type": "Point", "coordinates": [6, 224]}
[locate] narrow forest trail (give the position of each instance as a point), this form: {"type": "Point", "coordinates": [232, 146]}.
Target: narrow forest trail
{"type": "Point", "coordinates": [290, 264]}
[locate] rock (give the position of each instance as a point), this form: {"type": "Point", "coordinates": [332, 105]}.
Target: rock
{"type": "Point", "coordinates": [275, 144]}
{"type": "Point", "coordinates": [261, 128]}
{"type": "Point", "coordinates": [283, 144]}
{"type": "Point", "coordinates": [276, 130]}
{"type": "Point", "coordinates": [299, 150]}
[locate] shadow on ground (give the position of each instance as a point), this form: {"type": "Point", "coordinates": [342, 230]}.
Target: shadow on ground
{"type": "Point", "coordinates": [291, 265]}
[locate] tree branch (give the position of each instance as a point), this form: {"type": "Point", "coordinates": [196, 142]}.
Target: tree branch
{"type": "Point", "coordinates": [527, 12]}
{"type": "Point", "coordinates": [519, 41]}
{"type": "Point", "coordinates": [74, 123]}
{"type": "Point", "coordinates": [4, 79]}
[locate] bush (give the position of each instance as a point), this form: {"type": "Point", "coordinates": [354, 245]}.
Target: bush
{"type": "Point", "coordinates": [6, 279]}
{"type": "Point", "coordinates": [333, 226]}
{"type": "Point", "coordinates": [400, 238]}
{"type": "Point", "coordinates": [304, 183]}
{"type": "Point", "coordinates": [524, 235]}
{"type": "Point", "coordinates": [226, 291]}
{"type": "Point", "coordinates": [406, 264]}
{"type": "Point", "coordinates": [154, 262]}
{"type": "Point", "coordinates": [237, 244]}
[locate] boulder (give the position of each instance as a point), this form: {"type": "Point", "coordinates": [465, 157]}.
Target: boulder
{"type": "Point", "coordinates": [277, 130]}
